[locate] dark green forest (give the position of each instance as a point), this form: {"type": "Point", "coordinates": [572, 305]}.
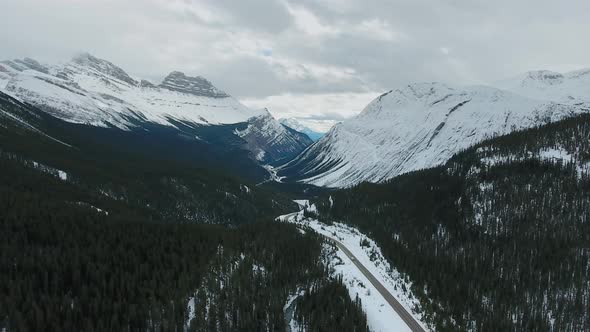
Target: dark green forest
{"type": "Point", "coordinates": [497, 239]}
{"type": "Point", "coordinates": [109, 163]}
{"type": "Point", "coordinates": [327, 307]}
{"type": "Point", "coordinates": [133, 242]}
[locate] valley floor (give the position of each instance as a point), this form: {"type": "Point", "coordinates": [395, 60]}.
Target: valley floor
{"type": "Point", "coordinates": [391, 286]}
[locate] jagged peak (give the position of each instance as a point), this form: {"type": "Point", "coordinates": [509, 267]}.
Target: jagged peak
{"type": "Point", "coordinates": [146, 84]}
{"type": "Point", "coordinates": [547, 76]}
{"type": "Point", "coordinates": [199, 86]}
{"type": "Point", "coordinates": [103, 66]}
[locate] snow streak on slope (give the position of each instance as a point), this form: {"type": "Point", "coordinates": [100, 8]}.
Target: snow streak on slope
{"type": "Point", "coordinates": [415, 127]}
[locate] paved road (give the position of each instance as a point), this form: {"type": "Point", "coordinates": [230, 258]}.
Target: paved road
{"type": "Point", "coordinates": [401, 311]}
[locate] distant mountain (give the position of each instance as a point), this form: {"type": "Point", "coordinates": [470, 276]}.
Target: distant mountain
{"type": "Point", "coordinates": [572, 88]}
{"type": "Point", "coordinates": [298, 126]}
{"type": "Point", "coordinates": [95, 92]}
{"type": "Point", "coordinates": [418, 126]}
{"type": "Point", "coordinates": [272, 141]}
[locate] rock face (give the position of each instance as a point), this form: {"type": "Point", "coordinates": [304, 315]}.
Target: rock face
{"type": "Point", "coordinates": [198, 86]}
{"type": "Point", "coordinates": [417, 126]}
{"type": "Point", "coordinates": [92, 91]}
{"type": "Point", "coordinates": [271, 141]}
{"type": "Point", "coordinates": [104, 67]}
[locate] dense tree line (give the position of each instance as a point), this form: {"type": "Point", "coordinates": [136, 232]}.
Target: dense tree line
{"type": "Point", "coordinates": [328, 307]}
{"type": "Point", "coordinates": [128, 167]}
{"type": "Point", "coordinates": [495, 240]}
{"type": "Point", "coordinates": [71, 267]}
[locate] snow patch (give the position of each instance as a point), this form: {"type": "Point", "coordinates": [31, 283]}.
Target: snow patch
{"type": "Point", "coordinates": [555, 155]}
{"type": "Point", "coordinates": [190, 309]}
{"type": "Point", "coordinates": [289, 311]}
{"type": "Point", "coordinates": [49, 170]}
{"type": "Point", "coordinates": [99, 210]}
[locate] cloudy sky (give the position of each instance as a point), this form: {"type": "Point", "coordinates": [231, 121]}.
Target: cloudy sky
{"type": "Point", "coordinates": [317, 60]}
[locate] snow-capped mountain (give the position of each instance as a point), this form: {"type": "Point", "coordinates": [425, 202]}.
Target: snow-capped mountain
{"type": "Point", "coordinates": [92, 91]}
{"type": "Point", "coordinates": [270, 140]}
{"type": "Point", "coordinates": [571, 88]}
{"type": "Point", "coordinates": [415, 127]}
{"type": "Point", "coordinates": [298, 126]}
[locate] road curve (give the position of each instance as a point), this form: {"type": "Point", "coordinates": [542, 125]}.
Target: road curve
{"type": "Point", "coordinates": [399, 309]}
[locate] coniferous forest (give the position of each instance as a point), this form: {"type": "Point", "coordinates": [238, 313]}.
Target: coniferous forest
{"type": "Point", "coordinates": [497, 239]}
{"type": "Point", "coordinates": [94, 241]}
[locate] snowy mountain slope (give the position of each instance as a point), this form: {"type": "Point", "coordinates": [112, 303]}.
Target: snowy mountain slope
{"type": "Point", "coordinates": [95, 92]}
{"type": "Point", "coordinates": [89, 90]}
{"type": "Point", "coordinates": [298, 126]}
{"type": "Point", "coordinates": [571, 88]}
{"type": "Point", "coordinates": [415, 127]}
{"type": "Point", "coordinates": [270, 140]}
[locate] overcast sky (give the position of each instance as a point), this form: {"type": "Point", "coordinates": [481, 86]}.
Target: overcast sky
{"type": "Point", "coordinates": [317, 60]}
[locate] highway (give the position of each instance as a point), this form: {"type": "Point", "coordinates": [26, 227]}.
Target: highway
{"type": "Point", "coordinates": [393, 302]}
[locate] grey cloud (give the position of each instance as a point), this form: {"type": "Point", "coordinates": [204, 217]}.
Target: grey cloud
{"type": "Point", "coordinates": [264, 15]}
{"type": "Point", "coordinates": [256, 49]}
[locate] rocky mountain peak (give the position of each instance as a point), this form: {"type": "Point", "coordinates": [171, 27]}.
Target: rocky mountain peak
{"type": "Point", "coordinates": [103, 66]}
{"type": "Point", "coordinates": [146, 84]}
{"type": "Point", "coordinates": [545, 76]}
{"type": "Point", "coordinates": [199, 86]}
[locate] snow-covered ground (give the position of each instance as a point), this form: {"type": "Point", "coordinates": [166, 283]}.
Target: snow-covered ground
{"type": "Point", "coordinates": [381, 316]}
{"type": "Point", "coordinates": [272, 175]}
{"type": "Point", "coordinates": [289, 311]}
{"type": "Point", "coordinates": [551, 154]}
{"type": "Point", "coordinates": [50, 170]}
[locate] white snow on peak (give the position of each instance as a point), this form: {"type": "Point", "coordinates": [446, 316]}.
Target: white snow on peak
{"type": "Point", "coordinates": [92, 91]}
{"type": "Point", "coordinates": [418, 126]}
{"type": "Point", "coordinates": [571, 88]}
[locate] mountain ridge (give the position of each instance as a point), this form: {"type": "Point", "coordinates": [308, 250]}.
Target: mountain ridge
{"type": "Point", "coordinates": [414, 127]}
{"type": "Point", "coordinates": [95, 92]}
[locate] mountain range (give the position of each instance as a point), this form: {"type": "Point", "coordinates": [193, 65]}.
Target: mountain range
{"type": "Point", "coordinates": [423, 125]}
{"type": "Point", "coordinates": [114, 194]}
{"type": "Point", "coordinates": [96, 93]}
